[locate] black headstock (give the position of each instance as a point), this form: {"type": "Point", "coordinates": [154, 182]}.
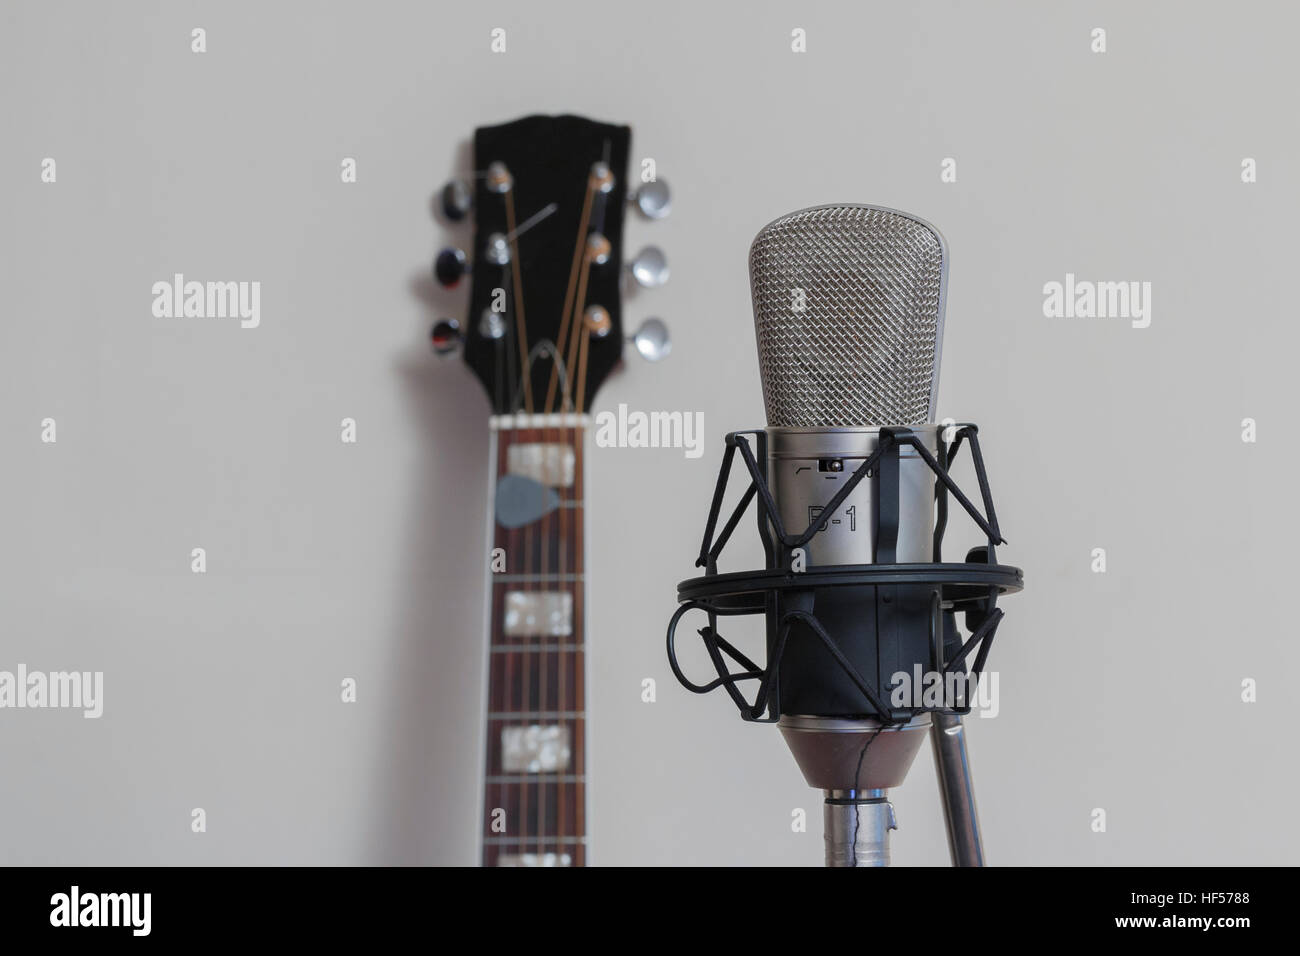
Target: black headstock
{"type": "Point", "coordinates": [548, 196]}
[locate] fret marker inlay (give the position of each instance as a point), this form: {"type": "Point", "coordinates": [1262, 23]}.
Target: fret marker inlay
{"type": "Point", "coordinates": [534, 859]}
{"type": "Point", "coordinates": [539, 614]}
{"type": "Point", "coordinates": [547, 464]}
{"type": "Point", "coordinates": [535, 748]}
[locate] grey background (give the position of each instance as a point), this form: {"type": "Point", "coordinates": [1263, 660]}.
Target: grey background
{"type": "Point", "coordinates": [327, 560]}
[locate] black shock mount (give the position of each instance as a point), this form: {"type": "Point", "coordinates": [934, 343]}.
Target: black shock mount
{"type": "Point", "coordinates": [788, 597]}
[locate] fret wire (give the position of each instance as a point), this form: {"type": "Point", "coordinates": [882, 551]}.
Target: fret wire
{"type": "Point", "coordinates": [553, 421]}
{"type": "Point", "coordinates": [557, 578]}
{"type": "Point", "coordinates": [538, 648]}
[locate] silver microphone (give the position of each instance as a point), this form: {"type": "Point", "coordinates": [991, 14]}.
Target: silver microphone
{"type": "Point", "coordinates": [852, 486]}
{"type": "Point", "coordinates": [848, 314]}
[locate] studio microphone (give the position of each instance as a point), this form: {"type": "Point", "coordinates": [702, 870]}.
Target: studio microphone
{"type": "Point", "coordinates": [852, 484]}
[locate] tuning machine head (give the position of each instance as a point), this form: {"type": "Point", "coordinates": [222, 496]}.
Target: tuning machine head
{"type": "Point", "coordinates": [446, 337]}
{"type": "Point", "coordinates": [653, 199]}
{"type": "Point", "coordinates": [652, 340]}
{"type": "Point", "coordinates": [499, 178]}
{"type": "Point", "coordinates": [449, 266]}
{"type": "Point", "coordinates": [649, 267]}
{"type": "Point", "coordinates": [456, 200]}
{"type": "Point", "coordinates": [496, 249]}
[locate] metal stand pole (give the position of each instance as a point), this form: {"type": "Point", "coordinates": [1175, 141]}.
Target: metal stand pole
{"type": "Point", "coordinates": [956, 791]}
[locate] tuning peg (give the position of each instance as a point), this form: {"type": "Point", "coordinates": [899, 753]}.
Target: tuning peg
{"type": "Point", "coordinates": [456, 200]}
{"type": "Point", "coordinates": [449, 266]}
{"type": "Point", "coordinates": [649, 267]}
{"type": "Point", "coordinates": [652, 340]}
{"type": "Point", "coordinates": [446, 337]}
{"type": "Point", "coordinates": [653, 199]}
{"type": "Point", "coordinates": [496, 249]}
{"type": "Point", "coordinates": [492, 325]}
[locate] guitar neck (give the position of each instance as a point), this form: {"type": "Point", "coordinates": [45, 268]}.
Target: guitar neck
{"type": "Point", "coordinates": [542, 331]}
{"type": "Point", "coordinates": [534, 811]}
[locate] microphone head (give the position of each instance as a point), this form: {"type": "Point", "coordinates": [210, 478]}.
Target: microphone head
{"type": "Point", "coordinates": [848, 310]}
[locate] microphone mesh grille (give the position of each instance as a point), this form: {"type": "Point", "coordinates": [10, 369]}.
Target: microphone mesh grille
{"type": "Point", "coordinates": [864, 349]}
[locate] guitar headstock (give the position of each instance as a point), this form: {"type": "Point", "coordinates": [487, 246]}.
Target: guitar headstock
{"type": "Point", "coordinates": [544, 325]}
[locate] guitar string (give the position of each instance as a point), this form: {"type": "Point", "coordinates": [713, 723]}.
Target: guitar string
{"type": "Point", "coordinates": [500, 357]}
{"type": "Point", "coordinates": [579, 743]}
{"type": "Point", "coordinates": [568, 325]}
{"type": "Point", "coordinates": [502, 370]}
{"type": "Point", "coordinates": [498, 384]}
{"type": "Point", "coordinates": [525, 373]}
{"type": "Point", "coordinates": [598, 226]}
{"type": "Point", "coordinates": [570, 321]}
{"type": "Point", "coordinates": [576, 336]}
{"type": "Point", "coordinates": [583, 335]}
{"type": "Point", "coordinates": [580, 588]}
{"type": "Point", "coordinates": [536, 666]}
{"type": "Point", "coordinates": [571, 361]}
{"type": "Point", "coordinates": [504, 438]}
{"type": "Point", "coordinates": [505, 349]}
{"type": "Point", "coordinates": [568, 295]}
{"type": "Point", "coordinates": [521, 326]}
{"type": "Point", "coordinates": [512, 281]}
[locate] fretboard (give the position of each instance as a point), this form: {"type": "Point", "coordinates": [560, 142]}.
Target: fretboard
{"type": "Point", "coordinates": [534, 811]}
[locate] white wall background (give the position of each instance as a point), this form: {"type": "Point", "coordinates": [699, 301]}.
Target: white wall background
{"type": "Point", "coordinates": [327, 560]}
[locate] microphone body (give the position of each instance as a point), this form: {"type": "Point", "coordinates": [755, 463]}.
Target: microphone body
{"type": "Point", "coordinates": [805, 468]}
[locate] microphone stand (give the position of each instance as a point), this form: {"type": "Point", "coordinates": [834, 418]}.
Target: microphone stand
{"type": "Point", "coordinates": [956, 790]}
{"type": "Point", "coordinates": [857, 822]}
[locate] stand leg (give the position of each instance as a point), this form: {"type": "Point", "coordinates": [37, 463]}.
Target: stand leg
{"type": "Point", "coordinates": [956, 790]}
